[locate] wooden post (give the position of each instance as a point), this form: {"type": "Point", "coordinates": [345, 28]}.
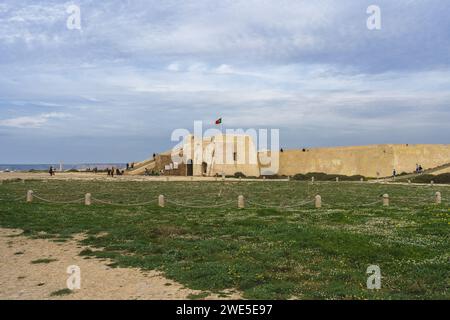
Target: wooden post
{"type": "Point", "coordinates": [241, 202]}
{"type": "Point", "coordinates": [30, 196]}
{"type": "Point", "coordinates": [318, 202]}
{"type": "Point", "coordinates": [161, 202]}
{"type": "Point", "coordinates": [385, 200]}
{"type": "Point", "coordinates": [438, 198]}
{"type": "Point", "coordinates": [87, 199]}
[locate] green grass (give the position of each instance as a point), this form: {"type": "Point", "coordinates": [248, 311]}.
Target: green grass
{"type": "Point", "coordinates": [43, 261]}
{"type": "Point", "coordinates": [62, 292]}
{"type": "Point", "coordinates": [273, 249]}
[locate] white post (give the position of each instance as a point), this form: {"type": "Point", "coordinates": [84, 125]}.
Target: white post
{"type": "Point", "coordinates": [312, 180]}
{"type": "Point", "coordinates": [318, 202]}
{"type": "Point", "coordinates": [87, 199]}
{"type": "Point", "coordinates": [409, 181]}
{"type": "Point", "coordinates": [223, 176]}
{"type": "Point", "coordinates": [30, 196]}
{"type": "Point", "coordinates": [432, 183]}
{"type": "Point", "coordinates": [161, 202]}
{"type": "Point", "coordinates": [241, 202]}
{"type": "Point", "coordinates": [385, 200]}
{"type": "Point", "coordinates": [337, 179]}
{"type": "Point", "coordinates": [362, 179]}
{"type": "Point", "coordinates": [438, 198]}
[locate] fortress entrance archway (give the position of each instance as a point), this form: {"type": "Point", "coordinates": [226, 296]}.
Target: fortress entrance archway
{"type": "Point", "coordinates": [204, 168]}
{"type": "Point", "coordinates": [189, 168]}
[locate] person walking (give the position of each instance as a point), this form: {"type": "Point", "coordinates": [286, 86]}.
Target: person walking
{"type": "Point", "coordinates": [50, 171]}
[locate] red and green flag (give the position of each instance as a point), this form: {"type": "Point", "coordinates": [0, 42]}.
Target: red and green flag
{"type": "Point", "coordinates": [219, 121]}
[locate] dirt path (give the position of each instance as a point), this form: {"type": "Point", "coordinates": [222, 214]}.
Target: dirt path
{"type": "Point", "coordinates": [21, 279]}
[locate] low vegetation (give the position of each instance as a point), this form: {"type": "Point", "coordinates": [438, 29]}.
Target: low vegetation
{"type": "Point", "coordinates": [278, 247]}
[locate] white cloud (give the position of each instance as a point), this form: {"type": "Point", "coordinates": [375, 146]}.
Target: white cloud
{"type": "Point", "coordinates": [32, 121]}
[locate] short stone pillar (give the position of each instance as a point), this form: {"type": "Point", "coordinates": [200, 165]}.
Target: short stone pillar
{"type": "Point", "coordinates": [312, 179]}
{"type": "Point", "coordinates": [192, 178]}
{"type": "Point", "coordinates": [87, 199]}
{"type": "Point", "coordinates": [386, 200]}
{"type": "Point", "coordinates": [409, 181]}
{"type": "Point", "coordinates": [30, 196]}
{"type": "Point", "coordinates": [289, 178]}
{"type": "Point", "coordinates": [362, 180]}
{"type": "Point", "coordinates": [337, 179]}
{"type": "Point", "coordinates": [23, 181]}
{"type": "Point", "coordinates": [438, 198]}
{"type": "Point", "coordinates": [161, 201]}
{"type": "Point", "coordinates": [216, 179]}
{"type": "Point", "coordinates": [240, 179]}
{"type": "Point", "coordinates": [264, 177]}
{"type": "Point", "coordinates": [241, 202]}
{"type": "Point", "coordinates": [223, 176]}
{"type": "Point", "coordinates": [318, 202]}
{"type": "Point", "coordinates": [167, 178]}
{"type": "Point", "coordinates": [432, 183]}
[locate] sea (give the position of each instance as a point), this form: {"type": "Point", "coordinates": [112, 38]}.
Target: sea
{"type": "Point", "coordinates": [65, 167]}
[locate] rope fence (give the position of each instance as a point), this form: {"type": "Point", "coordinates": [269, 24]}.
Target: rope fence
{"type": "Point", "coordinates": [383, 200]}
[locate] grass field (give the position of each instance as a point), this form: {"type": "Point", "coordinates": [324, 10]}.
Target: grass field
{"type": "Point", "coordinates": [278, 247]}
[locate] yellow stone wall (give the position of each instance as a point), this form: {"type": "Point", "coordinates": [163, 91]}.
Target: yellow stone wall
{"type": "Point", "coordinates": [364, 160]}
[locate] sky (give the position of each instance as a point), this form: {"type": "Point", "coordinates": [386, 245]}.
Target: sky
{"type": "Point", "coordinates": [114, 90]}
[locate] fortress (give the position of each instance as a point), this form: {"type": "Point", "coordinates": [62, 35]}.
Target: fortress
{"type": "Point", "coordinates": [230, 154]}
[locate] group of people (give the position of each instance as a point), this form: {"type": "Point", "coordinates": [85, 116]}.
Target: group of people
{"type": "Point", "coordinates": [111, 172]}
{"type": "Point", "coordinates": [130, 166]}
{"type": "Point", "coordinates": [419, 168]}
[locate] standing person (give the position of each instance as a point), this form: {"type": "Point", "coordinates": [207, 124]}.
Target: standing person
{"type": "Point", "coordinates": [112, 172]}
{"type": "Point", "coordinates": [128, 166]}
{"type": "Point", "coordinates": [50, 171]}
{"type": "Point", "coordinates": [108, 171]}
{"type": "Point", "coordinates": [394, 174]}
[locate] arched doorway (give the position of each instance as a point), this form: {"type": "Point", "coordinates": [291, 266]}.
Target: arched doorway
{"type": "Point", "coordinates": [204, 168]}
{"type": "Point", "coordinates": [189, 168]}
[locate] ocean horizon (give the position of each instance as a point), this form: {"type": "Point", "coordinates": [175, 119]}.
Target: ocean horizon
{"type": "Point", "coordinates": [46, 166]}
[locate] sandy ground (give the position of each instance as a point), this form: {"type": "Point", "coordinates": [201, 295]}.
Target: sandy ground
{"type": "Point", "coordinates": [103, 177]}
{"type": "Point", "coordinates": [20, 279]}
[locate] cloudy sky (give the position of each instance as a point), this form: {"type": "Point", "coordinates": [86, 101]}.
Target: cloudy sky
{"type": "Point", "coordinates": [116, 89]}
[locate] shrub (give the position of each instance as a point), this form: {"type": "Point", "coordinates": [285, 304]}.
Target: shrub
{"type": "Point", "coordinates": [320, 176]}
{"type": "Point", "coordinates": [239, 175]}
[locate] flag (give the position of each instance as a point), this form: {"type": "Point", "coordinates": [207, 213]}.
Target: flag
{"type": "Point", "coordinates": [219, 121]}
